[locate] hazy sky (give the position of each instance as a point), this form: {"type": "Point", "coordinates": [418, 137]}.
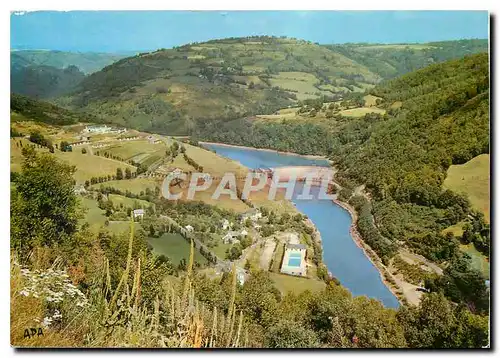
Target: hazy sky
{"type": "Point", "coordinates": [114, 31]}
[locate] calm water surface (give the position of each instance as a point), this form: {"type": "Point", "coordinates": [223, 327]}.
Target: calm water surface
{"type": "Point", "coordinates": [344, 259]}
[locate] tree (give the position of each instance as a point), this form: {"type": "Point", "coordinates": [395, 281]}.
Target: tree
{"type": "Point", "coordinates": [119, 174]}
{"type": "Point", "coordinates": [234, 252]}
{"type": "Point", "coordinates": [436, 323]}
{"type": "Point", "coordinates": [43, 203]}
{"type": "Point", "coordinates": [260, 298]}
{"type": "Point", "coordinates": [286, 334]}
{"type": "Point", "coordinates": [84, 151]}
{"type": "Point", "coordinates": [128, 173]}
{"type": "Point", "coordinates": [64, 146]}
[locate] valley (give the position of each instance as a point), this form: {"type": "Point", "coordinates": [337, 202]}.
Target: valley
{"type": "Point", "coordinates": [97, 141]}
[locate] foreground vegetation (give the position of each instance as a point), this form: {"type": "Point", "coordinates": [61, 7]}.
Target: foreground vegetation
{"type": "Point", "coordinates": [127, 297]}
{"type": "Point", "coordinates": [441, 119]}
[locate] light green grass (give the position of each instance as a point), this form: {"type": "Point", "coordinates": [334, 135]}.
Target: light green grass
{"type": "Point", "coordinates": [457, 229]}
{"type": "Point", "coordinates": [300, 82]}
{"type": "Point", "coordinates": [120, 227]}
{"type": "Point", "coordinates": [133, 185]}
{"type": "Point", "coordinates": [479, 261]}
{"type": "Point", "coordinates": [472, 179]}
{"type": "Point", "coordinates": [286, 283]}
{"type": "Point", "coordinates": [361, 111]}
{"type": "Point", "coordinates": [370, 100]}
{"type": "Point", "coordinates": [127, 150]}
{"type": "Point", "coordinates": [175, 247]}
{"type": "Point", "coordinates": [94, 215]}
{"type": "Point", "coordinates": [88, 166]}
{"type": "Point", "coordinates": [128, 202]}
{"type": "Point", "coordinates": [220, 250]}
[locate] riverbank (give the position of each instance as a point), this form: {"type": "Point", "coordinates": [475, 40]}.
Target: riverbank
{"type": "Point", "coordinates": [309, 156]}
{"type": "Point", "coordinates": [368, 251]}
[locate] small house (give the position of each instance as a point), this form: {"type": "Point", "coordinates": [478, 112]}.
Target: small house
{"type": "Point", "coordinates": [189, 228]}
{"type": "Point", "coordinates": [138, 213]}
{"type": "Point", "coordinates": [231, 237]}
{"type": "Point", "coordinates": [225, 224]}
{"type": "Point", "coordinates": [253, 215]}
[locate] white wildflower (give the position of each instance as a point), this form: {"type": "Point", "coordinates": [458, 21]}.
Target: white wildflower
{"type": "Point", "coordinates": [47, 321]}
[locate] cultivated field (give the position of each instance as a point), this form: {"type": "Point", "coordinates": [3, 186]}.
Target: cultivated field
{"type": "Point", "coordinates": [128, 202]}
{"type": "Point", "coordinates": [132, 149]}
{"type": "Point", "coordinates": [472, 179]}
{"type": "Point", "coordinates": [175, 247]}
{"type": "Point", "coordinates": [361, 111]}
{"type": "Point", "coordinates": [286, 283]}
{"type": "Point", "coordinates": [135, 185]}
{"type": "Point", "coordinates": [88, 166]}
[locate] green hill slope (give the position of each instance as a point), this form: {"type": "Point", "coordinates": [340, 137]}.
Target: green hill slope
{"type": "Point", "coordinates": [394, 60]}
{"type": "Point", "coordinates": [87, 62]}
{"type": "Point", "coordinates": [27, 109]}
{"type": "Point", "coordinates": [44, 82]}
{"type": "Point", "coordinates": [48, 74]}
{"type": "Point", "coordinates": [166, 90]}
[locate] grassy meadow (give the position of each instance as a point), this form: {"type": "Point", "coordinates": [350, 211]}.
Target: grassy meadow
{"type": "Point", "coordinates": [175, 247]}
{"type": "Point", "coordinates": [287, 283]}
{"type": "Point", "coordinates": [472, 179]}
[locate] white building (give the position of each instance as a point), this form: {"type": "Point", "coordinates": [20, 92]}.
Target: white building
{"type": "Point", "coordinates": [189, 228]}
{"type": "Point", "coordinates": [243, 232]}
{"type": "Point", "coordinates": [240, 275]}
{"type": "Point", "coordinates": [96, 129]}
{"type": "Point", "coordinates": [139, 213]}
{"type": "Point", "coordinates": [231, 237]}
{"type": "Point", "coordinates": [253, 215]}
{"type": "Point", "coordinates": [225, 224]}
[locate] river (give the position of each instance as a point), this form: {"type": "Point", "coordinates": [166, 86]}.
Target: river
{"type": "Point", "coordinates": [344, 259]}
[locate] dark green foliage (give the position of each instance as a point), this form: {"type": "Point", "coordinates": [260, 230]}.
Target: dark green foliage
{"type": "Point", "coordinates": [40, 111]}
{"type": "Point", "coordinates": [43, 204]}
{"type": "Point", "coordinates": [14, 133]}
{"type": "Point", "coordinates": [437, 323]}
{"type": "Point", "coordinates": [65, 147]}
{"type": "Point", "coordinates": [477, 231]}
{"type": "Point", "coordinates": [43, 82]}
{"type": "Point", "coordinates": [234, 252]}
{"type": "Point", "coordinates": [286, 334]}
{"type": "Point", "coordinates": [462, 284]}
{"type": "Point", "coordinates": [302, 138]}
{"type": "Point", "coordinates": [38, 138]}
{"type": "Point", "coordinates": [119, 174]}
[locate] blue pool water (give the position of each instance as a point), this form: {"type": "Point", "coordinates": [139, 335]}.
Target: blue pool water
{"type": "Point", "coordinates": [344, 259]}
{"type": "Point", "coordinates": [294, 261]}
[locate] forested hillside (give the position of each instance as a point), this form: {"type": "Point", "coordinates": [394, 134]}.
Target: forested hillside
{"type": "Point", "coordinates": [167, 90]}
{"type": "Point", "coordinates": [27, 109]}
{"type": "Point", "coordinates": [390, 61]}
{"type": "Point", "coordinates": [44, 82]}
{"type": "Point", "coordinates": [48, 74]}
{"type": "Point", "coordinates": [436, 117]}
{"type": "Point", "coordinates": [123, 295]}
{"type": "Point", "coordinates": [87, 62]}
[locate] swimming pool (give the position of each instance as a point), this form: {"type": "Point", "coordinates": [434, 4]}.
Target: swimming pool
{"type": "Point", "coordinates": [294, 259]}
